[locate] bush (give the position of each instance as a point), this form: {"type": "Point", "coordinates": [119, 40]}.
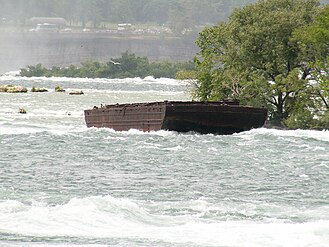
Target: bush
{"type": "Point", "coordinates": [128, 65]}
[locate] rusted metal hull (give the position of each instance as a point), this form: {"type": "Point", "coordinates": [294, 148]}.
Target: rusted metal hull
{"type": "Point", "coordinates": [204, 117]}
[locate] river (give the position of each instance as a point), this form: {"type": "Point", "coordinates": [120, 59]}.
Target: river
{"type": "Point", "coordinates": [62, 184]}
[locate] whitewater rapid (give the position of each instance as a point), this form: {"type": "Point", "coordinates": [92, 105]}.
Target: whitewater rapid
{"type": "Point", "coordinates": [63, 184]}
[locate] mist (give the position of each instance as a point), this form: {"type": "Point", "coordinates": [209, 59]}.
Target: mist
{"type": "Point", "coordinates": [60, 32]}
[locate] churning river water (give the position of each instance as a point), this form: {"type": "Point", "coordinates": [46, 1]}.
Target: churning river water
{"type": "Point", "coordinates": [62, 184]}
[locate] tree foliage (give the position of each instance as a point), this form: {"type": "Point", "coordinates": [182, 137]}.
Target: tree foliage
{"type": "Point", "coordinates": [260, 57]}
{"type": "Point", "coordinates": [128, 65]}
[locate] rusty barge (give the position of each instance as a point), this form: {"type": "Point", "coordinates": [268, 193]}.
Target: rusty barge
{"type": "Point", "coordinates": [225, 117]}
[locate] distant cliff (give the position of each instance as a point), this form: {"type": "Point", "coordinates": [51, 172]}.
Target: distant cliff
{"type": "Point", "coordinates": [18, 50]}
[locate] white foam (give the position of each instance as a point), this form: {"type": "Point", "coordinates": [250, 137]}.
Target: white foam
{"type": "Point", "coordinates": [55, 129]}
{"type": "Point", "coordinates": [109, 217]}
{"type": "Point", "coordinates": [313, 134]}
{"type": "Point", "coordinates": [147, 80]}
{"type": "Point", "coordinates": [18, 131]}
{"type": "Point", "coordinates": [28, 244]}
{"type": "Point", "coordinates": [132, 132]}
{"type": "Point", "coordinates": [12, 73]}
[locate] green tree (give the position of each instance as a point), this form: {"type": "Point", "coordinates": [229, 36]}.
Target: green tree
{"type": "Point", "coordinates": [128, 65]}
{"type": "Point", "coordinates": [313, 41]}
{"type": "Point", "coordinates": [120, 11]}
{"type": "Point", "coordinates": [252, 57]}
{"type": "Point", "coordinates": [37, 70]}
{"type": "Point", "coordinates": [67, 10]}
{"type": "Point", "coordinates": [89, 11]}
{"type": "Point", "coordinates": [157, 11]}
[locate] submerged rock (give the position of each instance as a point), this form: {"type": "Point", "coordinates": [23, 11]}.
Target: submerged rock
{"type": "Point", "coordinates": [22, 111]}
{"type": "Point", "coordinates": [76, 92]}
{"type": "Point", "coordinates": [12, 89]}
{"type": "Point", "coordinates": [39, 90]}
{"type": "Point", "coordinates": [15, 89]}
{"type": "Point", "coordinates": [3, 88]}
{"type": "Point", "coordinates": [59, 89]}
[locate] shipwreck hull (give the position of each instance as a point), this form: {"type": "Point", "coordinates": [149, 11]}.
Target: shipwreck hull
{"type": "Point", "coordinates": [215, 117]}
{"type": "Point", "coordinates": [145, 117]}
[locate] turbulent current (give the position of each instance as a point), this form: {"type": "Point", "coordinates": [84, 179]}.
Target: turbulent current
{"type": "Point", "coordinates": [62, 184]}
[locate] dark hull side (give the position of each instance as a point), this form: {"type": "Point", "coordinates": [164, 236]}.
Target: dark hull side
{"type": "Point", "coordinates": [142, 116]}
{"type": "Point", "coordinates": [215, 117]}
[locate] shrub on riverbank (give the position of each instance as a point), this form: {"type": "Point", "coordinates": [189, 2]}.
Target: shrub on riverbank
{"type": "Point", "coordinates": [128, 65]}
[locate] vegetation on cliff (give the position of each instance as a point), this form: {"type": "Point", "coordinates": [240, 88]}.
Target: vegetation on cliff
{"type": "Point", "coordinates": [273, 53]}
{"type": "Point", "coordinates": [177, 14]}
{"type": "Point", "coordinates": [180, 16]}
{"type": "Point", "coordinates": [128, 65]}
